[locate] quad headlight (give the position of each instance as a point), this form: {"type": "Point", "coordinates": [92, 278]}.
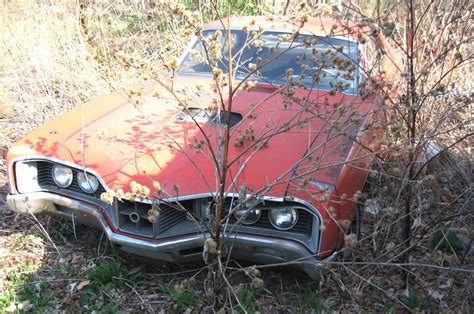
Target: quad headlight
{"type": "Point", "coordinates": [87, 182]}
{"type": "Point", "coordinates": [283, 218]}
{"type": "Point", "coordinates": [62, 175]}
{"type": "Point", "coordinates": [247, 216]}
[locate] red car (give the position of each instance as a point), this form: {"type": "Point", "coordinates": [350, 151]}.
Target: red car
{"type": "Point", "coordinates": [140, 165]}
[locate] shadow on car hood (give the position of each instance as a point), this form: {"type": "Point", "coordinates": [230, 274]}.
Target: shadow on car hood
{"type": "Point", "coordinates": [125, 138]}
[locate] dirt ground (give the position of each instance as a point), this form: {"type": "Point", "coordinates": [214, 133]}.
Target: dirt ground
{"type": "Point", "coordinates": [49, 265]}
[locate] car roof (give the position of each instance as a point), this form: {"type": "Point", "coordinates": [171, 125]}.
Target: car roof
{"type": "Point", "coordinates": [322, 26]}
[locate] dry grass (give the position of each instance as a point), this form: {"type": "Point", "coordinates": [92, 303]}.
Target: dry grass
{"type": "Point", "coordinates": [46, 68]}
{"type": "Point", "coordinates": [55, 57]}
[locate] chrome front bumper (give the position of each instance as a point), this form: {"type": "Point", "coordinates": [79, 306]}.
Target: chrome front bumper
{"type": "Point", "coordinates": [184, 248]}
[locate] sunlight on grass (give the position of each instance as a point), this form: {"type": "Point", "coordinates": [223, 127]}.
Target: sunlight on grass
{"type": "Point", "coordinates": [21, 256]}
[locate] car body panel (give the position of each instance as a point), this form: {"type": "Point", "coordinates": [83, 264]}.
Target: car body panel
{"type": "Point", "coordinates": [122, 139]}
{"type": "Point", "coordinates": [140, 140]}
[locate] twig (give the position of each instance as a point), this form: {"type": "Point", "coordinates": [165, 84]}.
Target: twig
{"type": "Point", "coordinates": [138, 295]}
{"type": "Point", "coordinates": [378, 288]}
{"type": "Point", "coordinates": [45, 233]}
{"type": "Point", "coordinates": [230, 286]}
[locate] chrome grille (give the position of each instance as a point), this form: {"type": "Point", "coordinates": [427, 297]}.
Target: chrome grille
{"type": "Point", "coordinates": [170, 216]}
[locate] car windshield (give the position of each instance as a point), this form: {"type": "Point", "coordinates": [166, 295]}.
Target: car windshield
{"type": "Point", "coordinates": [278, 58]}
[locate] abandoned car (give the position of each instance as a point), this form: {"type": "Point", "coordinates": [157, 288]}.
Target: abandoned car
{"type": "Point", "coordinates": [140, 165]}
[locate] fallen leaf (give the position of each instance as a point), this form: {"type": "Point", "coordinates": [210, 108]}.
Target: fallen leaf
{"type": "Point", "coordinates": [82, 285]}
{"type": "Point", "coordinates": [435, 294]}
{"type": "Point", "coordinates": [11, 308]}
{"type": "Point", "coordinates": [25, 305]}
{"type": "Point", "coordinates": [37, 241]}
{"type": "Point", "coordinates": [416, 223]}
{"type": "Point", "coordinates": [72, 286]}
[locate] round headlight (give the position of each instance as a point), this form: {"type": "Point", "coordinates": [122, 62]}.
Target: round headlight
{"type": "Point", "coordinates": [247, 216]}
{"type": "Point", "coordinates": [283, 218]}
{"type": "Point", "coordinates": [62, 175]}
{"type": "Point", "coordinates": [87, 182]}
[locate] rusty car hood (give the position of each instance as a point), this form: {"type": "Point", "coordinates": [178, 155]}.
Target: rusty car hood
{"type": "Point", "coordinates": [126, 138]}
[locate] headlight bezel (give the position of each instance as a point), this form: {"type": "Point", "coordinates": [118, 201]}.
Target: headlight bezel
{"type": "Point", "coordinates": [70, 179]}
{"type": "Point", "coordinates": [84, 177]}
{"type": "Point", "coordinates": [272, 221]}
{"type": "Point", "coordinates": [39, 174]}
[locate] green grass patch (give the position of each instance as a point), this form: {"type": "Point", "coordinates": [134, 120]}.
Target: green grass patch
{"type": "Point", "coordinates": [39, 298]}
{"type": "Point", "coordinates": [305, 299]}
{"type": "Point", "coordinates": [446, 241]}
{"type": "Point", "coordinates": [247, 296]}
{"type": "Point", "coordinates": [112, 271]}
{"type": "Point", "coordinates": [184, 297]}
{"type": "Point", "coordinates": [108, 276]}
{"type": "Point", "coordinates": [6, 297]}
{"type": "Point", "coordinates": [414, 301]}
{"type": "Point", "coordinates": [21, 288]}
